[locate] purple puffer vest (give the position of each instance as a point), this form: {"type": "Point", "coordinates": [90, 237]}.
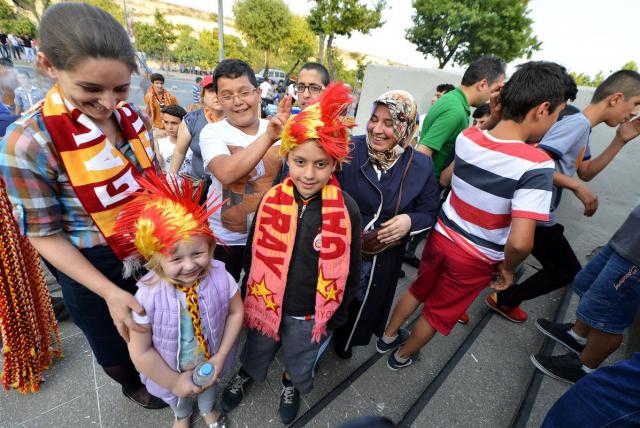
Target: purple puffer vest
{"type": "Point", "coordinates": [162, 306]}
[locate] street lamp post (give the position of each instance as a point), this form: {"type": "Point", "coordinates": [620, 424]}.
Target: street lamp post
{"type": "Point", "coordinates": [220, 32]}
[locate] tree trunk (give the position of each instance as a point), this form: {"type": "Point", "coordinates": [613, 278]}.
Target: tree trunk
{"type": "Point", "coordinates": [321, 38]}
{"type": "Point", "coordinates": [331, 65]}
{"type": "Point", "coordinates": [266, 64]}
{"type": "Point", "coordinates": [287, 77]}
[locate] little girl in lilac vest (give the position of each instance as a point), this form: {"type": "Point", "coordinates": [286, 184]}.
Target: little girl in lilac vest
{"type": "Point", "coordinates": [192, 309]}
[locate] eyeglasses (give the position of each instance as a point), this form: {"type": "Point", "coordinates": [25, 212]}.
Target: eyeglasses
{"type": "Point", "coordinates": [313, 89]}
{"type": "Point", "coordinates": [229, 98]}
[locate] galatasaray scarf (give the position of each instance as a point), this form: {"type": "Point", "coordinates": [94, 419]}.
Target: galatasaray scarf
{"type": "Point", "coordinates": [273, 239]}
{"type": "Point", "coordinates": [102, 177]}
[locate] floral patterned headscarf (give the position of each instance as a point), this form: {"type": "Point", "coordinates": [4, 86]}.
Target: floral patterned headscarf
{"type": "Point", "coordinates": [403, 110]}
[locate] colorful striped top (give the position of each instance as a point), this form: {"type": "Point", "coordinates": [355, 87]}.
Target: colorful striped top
{"type": "Point", "coordinates": [494, 181]}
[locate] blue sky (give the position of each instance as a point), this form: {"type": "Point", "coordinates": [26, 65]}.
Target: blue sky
{"type": "Point", "coordinates": [583, 35]}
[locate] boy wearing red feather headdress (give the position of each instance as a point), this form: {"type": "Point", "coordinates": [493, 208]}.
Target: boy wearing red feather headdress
{"type": "Point", "coordinates": [303, 256]}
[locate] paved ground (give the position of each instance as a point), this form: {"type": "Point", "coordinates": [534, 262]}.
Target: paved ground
{"type": "Point", "coordinates": [483, 389]}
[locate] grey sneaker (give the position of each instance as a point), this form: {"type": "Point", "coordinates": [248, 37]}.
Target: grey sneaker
{"type": "Point", "coordinates": [383, 348]}
{"type": "Point", "coordinates": [565, 368]}
{"type": "Point", "coordinates": [559, 333]}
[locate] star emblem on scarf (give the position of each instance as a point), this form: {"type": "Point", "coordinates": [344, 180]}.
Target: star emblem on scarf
{"type": "Point", "coordinates": [327, 288]}
{"type": "Point", "coordinates": [260, 290]}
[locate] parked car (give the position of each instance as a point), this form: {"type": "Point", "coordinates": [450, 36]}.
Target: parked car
{"type": "Point", "coordinates": [274, 74]}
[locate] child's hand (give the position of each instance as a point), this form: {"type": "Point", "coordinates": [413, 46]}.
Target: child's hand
{"type": "Point", "coordinates": [503, 278]}
{"type": "Point", "coordinates": [629, 130]}
{"type": "Point", "coordinates": [588, 199]}
{"type": "Point", "coordinates": [276, 123]}
{"type": "Point", "coordinates": [184, 386]}
{"type": "Point", "coordinates": [395, 228]}
{"type": "Point", "coordinates": [218, 362]}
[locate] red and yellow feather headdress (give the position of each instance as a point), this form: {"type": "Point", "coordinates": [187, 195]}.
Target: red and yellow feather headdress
{"type": "Point", "coordinates": [164, 212]}
{"type": "Point", "coordinates": [322, 122]}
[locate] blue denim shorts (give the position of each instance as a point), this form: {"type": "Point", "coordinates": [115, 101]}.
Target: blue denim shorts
{"type": "Point", "coordinates": [609, 290]}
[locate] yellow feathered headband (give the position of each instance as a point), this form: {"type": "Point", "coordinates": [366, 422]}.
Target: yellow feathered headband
{"type": "Point", "coordinates": [321, 121]}
{"type": "Point", "coordinates": [163, 213]}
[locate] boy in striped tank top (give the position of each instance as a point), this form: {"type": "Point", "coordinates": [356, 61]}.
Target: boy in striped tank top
{"type": "Point", "coordinates": [501, 187]}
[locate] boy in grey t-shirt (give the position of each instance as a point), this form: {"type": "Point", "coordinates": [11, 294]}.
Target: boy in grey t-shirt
{"type": "Point", "coordinates": [567, 142]}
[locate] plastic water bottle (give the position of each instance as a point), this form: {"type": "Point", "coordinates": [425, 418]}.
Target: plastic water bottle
{"type": "Point", "coordinates": [203, 374]}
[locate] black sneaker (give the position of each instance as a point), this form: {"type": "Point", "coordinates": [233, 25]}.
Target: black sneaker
{"type": "Point", "coordinates": [234, 392]}
{"type": "Point", "coordinates": [383, 348]}
{"type": "Point", "coordinates": [412, 261]}
{"type": "Point", "coordinates": [141, 397]}
{"type": "Point", "coordinates": [394, 364]}
{"type": "Point", "coordinates": [565, 368]}
{"type": "Point", "coordinates": [559, 333]}
{"type": "Point", "coordinates": [289, 403]}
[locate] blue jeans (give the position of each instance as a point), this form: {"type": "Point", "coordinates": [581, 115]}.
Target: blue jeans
{"type": "Point", "coordinates": [206, 399]}
{"type": "Point", "coordinates": [609, 290]}
{"type": "Point", "coordinates": [607, 397]}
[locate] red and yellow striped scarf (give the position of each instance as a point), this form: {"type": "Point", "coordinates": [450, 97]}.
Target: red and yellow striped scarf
{"type": "Point", "coordinates": [102, 177]}
{"type": "Point", "coordinates": [194, 311]}
{"type": "Point", "coordinates": [273, 239]}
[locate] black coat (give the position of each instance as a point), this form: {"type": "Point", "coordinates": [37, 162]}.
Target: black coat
{"type": "Point", "coordinates": [377, 199]}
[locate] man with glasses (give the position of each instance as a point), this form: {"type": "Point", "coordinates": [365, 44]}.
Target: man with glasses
{"type": "Point", "coordinates": [313, 78]}
{"type": "Point", "coordinates": [240, 154]}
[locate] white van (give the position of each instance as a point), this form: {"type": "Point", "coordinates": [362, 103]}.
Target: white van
{"type": "Point", "coordinates": [274, 74]}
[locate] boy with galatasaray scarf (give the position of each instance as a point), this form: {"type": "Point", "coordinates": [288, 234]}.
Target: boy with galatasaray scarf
{"type": "Point", "coordinates": [192, 308]}
{"type": "Point", "coordinates": [303, 256]}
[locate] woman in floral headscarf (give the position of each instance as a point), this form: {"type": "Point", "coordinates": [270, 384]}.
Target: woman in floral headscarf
{"type": "Point", "coordinates": [395, 188]}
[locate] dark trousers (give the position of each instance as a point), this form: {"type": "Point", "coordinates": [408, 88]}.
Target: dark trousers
{"type": "Point", "coordinates": [559, 266]}
{"type": "Point", "coordinates": [231, 256]}
{"type": "Point", "coordinates": [412, 244]}
{"type": "Point", "coordinates": [90, 311]}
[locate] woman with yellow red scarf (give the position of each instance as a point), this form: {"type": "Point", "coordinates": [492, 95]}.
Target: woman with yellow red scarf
{"type": "Point", "coordinates": [71, 166]}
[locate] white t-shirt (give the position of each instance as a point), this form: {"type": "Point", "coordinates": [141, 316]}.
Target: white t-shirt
{"type": "Point", "coordinates": [231, 223]}
{"type": "Point", "coordinates": [265, 88]}
{"type": "Point", "coordinates": [166, 148]}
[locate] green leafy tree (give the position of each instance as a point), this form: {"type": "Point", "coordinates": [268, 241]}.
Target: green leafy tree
{"type": "Point", "coordinates": [203, 49]}
{"type": "Point", "coordinates": [631, 65]}
{"type": "Point", "coordinates": [156, 39]}
{"type": "Point", "coordinates": [264, 24]}
{"type": "Point", "coordinates": [110, 6]}
{"type": "Point", "coordinates": [331, 18]}
{"type": "Point", "coordinates": [463, 30]}
{"type": "Point", "coordinates": [582, 79]}
{"type": "Point", "coordinates": [299, 45]}
{"type": "Point", "coordinates": [12, 22]}
{"type": "Point", "coordinates": [598, 78]}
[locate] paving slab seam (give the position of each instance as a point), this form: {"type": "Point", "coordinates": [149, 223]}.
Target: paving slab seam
{"type": "Point", "coordinates": [411, 415]}
{"type": "Point", "coordinates": [523, 412]}
{"type": "Point", "coordinates": [340, 388]}
{"type": "Point", "coordinates": [48, 411]}
{"type": "Point", "coordinates": [95, 384]}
